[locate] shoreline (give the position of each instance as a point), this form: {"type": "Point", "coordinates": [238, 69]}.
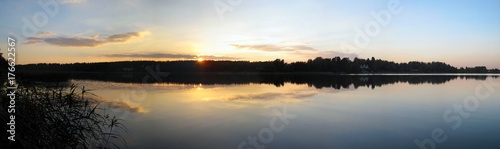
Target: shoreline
{"type": "Point", "coordinates": [259, 73]}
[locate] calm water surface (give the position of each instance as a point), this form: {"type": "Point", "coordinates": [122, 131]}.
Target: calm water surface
{"type": "Point", "coordinates": [347, 113]}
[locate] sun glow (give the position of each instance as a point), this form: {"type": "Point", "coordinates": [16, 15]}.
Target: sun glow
{"type": "Point", "coordinates": [200, 59]}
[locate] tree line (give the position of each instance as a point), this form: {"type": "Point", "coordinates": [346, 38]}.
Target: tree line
{"type": "Point", "coordinates": [319, 64]}
{"type": "Point", "coordinates": [3, 63]}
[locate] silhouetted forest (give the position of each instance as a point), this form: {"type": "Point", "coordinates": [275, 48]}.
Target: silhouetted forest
{"type": "Point", "coordinates": [319, 64]}
{"type": "Point", "coordinates": [320, 72]}
{"type": "Point", "coordinates": [3, 63]}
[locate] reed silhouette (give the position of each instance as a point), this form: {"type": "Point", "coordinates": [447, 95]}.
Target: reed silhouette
{"type": "Point", "coordinates": [58, 116]}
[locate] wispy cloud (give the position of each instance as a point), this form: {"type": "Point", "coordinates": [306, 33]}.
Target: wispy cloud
{"type": "Point", "coordinates": [169, 56]}
{"type": "Point", "coordinates": [72, 1]}
{"type": "Point", "coordinates": [301, 50]}
{"type": "Point", "coordinates": [121, 37]}
{"type": "Point", "coordinates": [212, 57]}
{"type": "Point", "coordinates": [328, 54]}
{"type": "Point", "coordinates": [44, 34]}
{"type": "Point", "coordinates": [73, 42]}
{"type": "Point", "coordinates": [91, 41]}
{"type": "Point", "coordinates": [38, 38]}
{"type": "Point", "coordinates": [272, 48]}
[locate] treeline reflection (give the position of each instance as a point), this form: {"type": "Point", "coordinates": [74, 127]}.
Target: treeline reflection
{"type": "Point", "coordinates": [313, 80]}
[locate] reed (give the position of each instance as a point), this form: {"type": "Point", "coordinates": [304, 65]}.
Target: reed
{"type": "Point", "coordinates": [60, 116]}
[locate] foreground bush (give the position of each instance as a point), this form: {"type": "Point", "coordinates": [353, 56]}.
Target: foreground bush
{"type": "Point", "coordinates": [58, 117]}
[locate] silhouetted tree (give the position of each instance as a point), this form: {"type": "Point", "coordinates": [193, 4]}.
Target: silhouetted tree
{"type": "Point", "coordinates": [3, 64]}
{"type": "Point", "coordinates": [319, 64]}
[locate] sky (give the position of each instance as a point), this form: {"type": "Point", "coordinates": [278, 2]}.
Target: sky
{"type": "Point", "coordinates": [459, 32]}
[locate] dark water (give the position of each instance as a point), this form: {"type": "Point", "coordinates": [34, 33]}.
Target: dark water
{"type": "Point", "coordinates": [303, 111]}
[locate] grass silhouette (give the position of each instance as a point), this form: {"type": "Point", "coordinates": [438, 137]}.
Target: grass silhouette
{"type": "Point", "coordinates": [59, 116]}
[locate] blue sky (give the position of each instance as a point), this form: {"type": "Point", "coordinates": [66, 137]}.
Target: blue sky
{"type": "Point", "coordinates": [462, 33]}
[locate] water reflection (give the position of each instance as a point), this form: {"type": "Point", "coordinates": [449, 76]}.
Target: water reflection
{"type": "Point", "coordinates": [317, 80]}
{"type": "Point", "coordinates": [333, 111]}
{"type": "Point", "coordinates": [114, 84]}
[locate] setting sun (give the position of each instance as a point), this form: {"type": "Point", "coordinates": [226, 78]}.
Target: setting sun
{"type": "Point", "coordinates": [200, 59]}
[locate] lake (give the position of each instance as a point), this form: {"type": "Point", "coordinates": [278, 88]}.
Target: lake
{"type": "Point", "coordinates": [283, 111]}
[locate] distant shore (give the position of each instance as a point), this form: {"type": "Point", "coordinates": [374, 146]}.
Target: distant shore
{"type": "Point", "coordinates": [258, 73]}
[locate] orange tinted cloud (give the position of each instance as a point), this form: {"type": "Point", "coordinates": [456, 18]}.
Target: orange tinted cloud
{"type": "Point", "coordinates": [168, 55]}
{"type": "Point", "coordinates": [92, 41]}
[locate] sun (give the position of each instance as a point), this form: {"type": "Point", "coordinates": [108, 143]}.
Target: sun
{"type": "Point", "coordinates": [200, 59]}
